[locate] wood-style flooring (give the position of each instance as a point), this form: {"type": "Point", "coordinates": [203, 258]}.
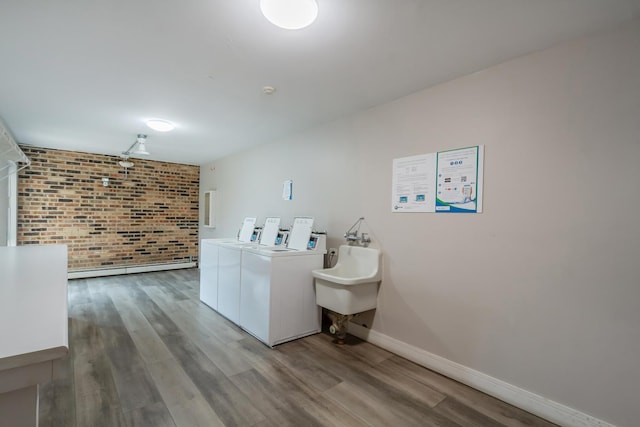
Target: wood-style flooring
{"type": "Point", "coordinates": [144, 351]}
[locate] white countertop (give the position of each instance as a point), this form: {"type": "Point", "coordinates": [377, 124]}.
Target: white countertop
{"type": "Point", "coordinates": [33, 304]}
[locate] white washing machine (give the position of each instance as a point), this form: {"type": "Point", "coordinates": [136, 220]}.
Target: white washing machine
{"type": "Point", "coordinates": [210, 263]}
{"type": "Point", "coordinates": [229, 261]}
{"type": "Point", "coordinates": [209, 271]}
{"type": "Point", "coordinates": [277, 297]}
{"type": "Point", "coordinates": [229, 268]}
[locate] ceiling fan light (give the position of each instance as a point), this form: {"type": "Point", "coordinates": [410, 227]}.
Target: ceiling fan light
{"type": "Point", "coordinates": [160, 125]}
{"type": "Point", "coordinates": [290, 14]}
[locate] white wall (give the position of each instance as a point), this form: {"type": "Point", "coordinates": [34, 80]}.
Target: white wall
{"type": "Point", "coordinates": [542, 290]}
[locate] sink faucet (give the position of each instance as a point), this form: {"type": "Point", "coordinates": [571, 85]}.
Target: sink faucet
{"type": "Point", "coordinates": [352, 235]}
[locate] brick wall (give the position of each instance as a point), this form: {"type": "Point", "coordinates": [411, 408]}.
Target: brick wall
{"type": "Point", "coordinates": [147, 217]}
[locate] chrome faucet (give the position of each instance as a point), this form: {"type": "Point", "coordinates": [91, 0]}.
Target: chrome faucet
{"type": "Point", "coordinates": [352, 235]}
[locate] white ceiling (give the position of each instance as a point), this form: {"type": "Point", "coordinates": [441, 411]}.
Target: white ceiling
{"type": "Point", "coordinates": [83, 75]}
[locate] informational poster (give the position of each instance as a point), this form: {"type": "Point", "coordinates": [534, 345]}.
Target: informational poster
{"type": "Point", "coordinates": [414, 184]}
{"type": "Point", "coordinates": [444, 182]}
{"type": "Point", "coordinates": [287, 190]}
{"type": "Point", "coordinates": [459, 180]}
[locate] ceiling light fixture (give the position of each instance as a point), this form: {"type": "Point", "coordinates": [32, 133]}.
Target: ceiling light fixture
{"type": "Point", "coordinates": [290, 14]}
{"type": "Point", "coordinates": [142, 149]}
{"type": "Point", "coordinates": [140, 141]}
{"type": "Point", "coordinates": [160, 125]}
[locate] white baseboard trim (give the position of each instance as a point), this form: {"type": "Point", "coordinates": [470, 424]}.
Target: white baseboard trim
{"type": "Point", "coordinates": [83, 274]}
{"type": "Point", "coordinates": [530, 402]}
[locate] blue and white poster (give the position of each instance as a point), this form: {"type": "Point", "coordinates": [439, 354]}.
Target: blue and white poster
{"type": "Point", "coordinates": [443, 182]}
{"type": "Point", "coordinates": [459, 180]}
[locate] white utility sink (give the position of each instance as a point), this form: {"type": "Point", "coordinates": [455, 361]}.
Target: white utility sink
{"type": "Point", "coordinates": [352, 285]}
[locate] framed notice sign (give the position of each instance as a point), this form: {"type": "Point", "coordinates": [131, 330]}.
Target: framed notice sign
{"type": "Point", "coordinates": [414, 184]}
{"type": "Point", "coordinates": [459, 180]}
{"type": "Point", "coordinates": [443, 182]}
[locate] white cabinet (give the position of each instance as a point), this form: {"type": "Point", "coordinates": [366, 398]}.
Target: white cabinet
{"type": "Point", "coordinates": [33, 326]}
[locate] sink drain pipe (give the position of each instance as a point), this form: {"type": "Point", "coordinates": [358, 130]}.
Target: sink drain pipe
{"type": "Point", "coordinates": [339, 324]}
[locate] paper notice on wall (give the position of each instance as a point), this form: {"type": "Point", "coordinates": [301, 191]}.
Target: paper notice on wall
{"type": "Point", "coordinates": [287, 190]}
{"type": "Point", "coordinates": [413, 185]}
{"type": "Point", "coordinates": [443, 182]}
{"type": "Point", "coordinates": [460, 180]}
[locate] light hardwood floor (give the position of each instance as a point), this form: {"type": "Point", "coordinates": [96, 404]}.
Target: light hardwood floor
{"type": "Point", "coordinates": [145, 352]}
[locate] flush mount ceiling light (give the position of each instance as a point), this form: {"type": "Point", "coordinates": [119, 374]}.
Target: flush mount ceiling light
{"type": "Point", "coordinates": [290, 14]}
{"type": "Point", "coordinates": [160, 125]}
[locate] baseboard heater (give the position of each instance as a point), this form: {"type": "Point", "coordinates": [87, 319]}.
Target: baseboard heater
{"type": "Point", "coordinates": [129, 269]}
